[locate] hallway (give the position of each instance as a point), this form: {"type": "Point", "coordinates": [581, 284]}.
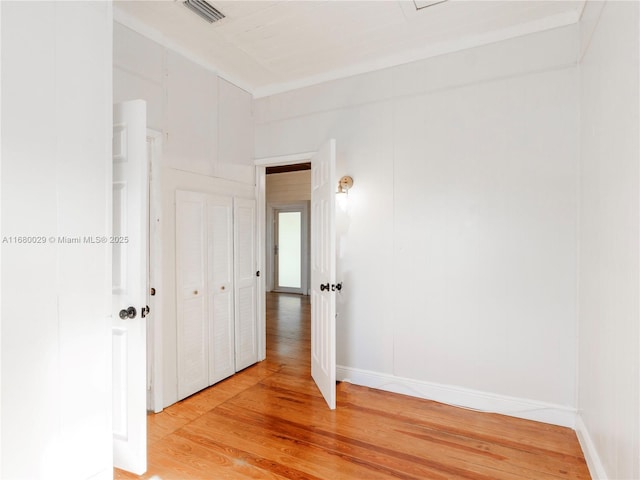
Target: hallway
{"type": "Point", "coordinates": [289, 331]}
{"type": "Point", "coordinates": [270, 421]}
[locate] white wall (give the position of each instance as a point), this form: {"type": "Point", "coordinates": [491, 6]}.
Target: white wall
{"type": "Point", "coordinates": [206, 121]}
{"type": "Point", "coordinates": [56, 181]}
{"type": "Point", "coordinates": [207, 128]}
{"type": "Point", "coordinates": [458, 252]}
{"type": "Point", "coordinates": [609, 265]}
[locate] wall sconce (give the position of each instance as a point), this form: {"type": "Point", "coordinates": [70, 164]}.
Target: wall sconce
{"type": "Point", "coordinates": [344, 184]}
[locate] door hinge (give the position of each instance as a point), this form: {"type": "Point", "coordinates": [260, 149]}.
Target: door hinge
{"type": "Point", "coordinates": [258, 273]}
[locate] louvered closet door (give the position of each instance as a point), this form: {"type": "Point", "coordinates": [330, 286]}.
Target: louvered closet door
{"type": "Point", "coordinates": [220, 288]}
{"type": "Point", "coordinates": [246, 285]}
{"type": "Point", "coordinates": [192, 318]}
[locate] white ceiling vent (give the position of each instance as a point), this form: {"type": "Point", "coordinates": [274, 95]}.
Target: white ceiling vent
{"type": "Point", "coordinates": [207, 11]}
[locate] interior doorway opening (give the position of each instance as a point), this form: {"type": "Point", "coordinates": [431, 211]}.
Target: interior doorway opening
{"type": "Point", "coordinates": [284, 184]}
{"type": "Point", "coordinates": [323, 265]}
{"type": "Point", "coordinates": [287, 249]}
{"type": "Point", "coordinates": [288, 252]}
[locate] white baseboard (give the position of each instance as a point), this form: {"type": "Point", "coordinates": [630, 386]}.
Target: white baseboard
{"type": "Point", "coordinates": [462, 397]}
{"type": "Point", "coordinates": [596, 469]}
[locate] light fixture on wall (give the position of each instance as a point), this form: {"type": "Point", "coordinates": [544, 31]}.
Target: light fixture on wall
{"type": "Point", "coordinates": [344, 184]}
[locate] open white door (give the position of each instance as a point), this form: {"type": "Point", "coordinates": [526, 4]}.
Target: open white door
{"type": "Point", "coordinates": [323, 271]}
{"type": "Point", "coordinates": [129, 286]}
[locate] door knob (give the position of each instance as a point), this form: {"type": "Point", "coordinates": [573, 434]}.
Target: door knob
{"type": "Point", "coordinates": [324, 286]}
{"type": "Point", "coordinates": [130, 312]}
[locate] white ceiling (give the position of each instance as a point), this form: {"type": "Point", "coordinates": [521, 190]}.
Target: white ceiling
{"type": "Point", "coordinates": [271, 46]}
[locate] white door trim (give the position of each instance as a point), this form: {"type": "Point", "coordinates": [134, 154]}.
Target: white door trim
{"type": "Point", "coordinates": [284, 159]}
{"type": "Point", "coordinates": [261, 173]}
{"type": "Point", "coordinates": [154, 326]}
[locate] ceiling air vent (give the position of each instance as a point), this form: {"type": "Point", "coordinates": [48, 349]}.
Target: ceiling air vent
{"type": "Point", "coordinates": [207, 11]}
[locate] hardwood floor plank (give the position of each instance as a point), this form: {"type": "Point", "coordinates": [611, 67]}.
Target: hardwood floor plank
{"type": "Point", "coordinates": [527, 433]}
{"type": "Point", "coordinates": [381, 438]}
{"type": "Point", "coordinates": [270, 422]}
{"type": "Point", "coordinates": [361, 459]}
{"type": "Point", "coordinates": [204, 461]}
{"type": "Point", "coordinates": [264, 451]}
{"type": "Point", "coordinates": [314, 454]}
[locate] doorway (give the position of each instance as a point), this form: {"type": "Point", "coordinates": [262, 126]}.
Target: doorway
{"type": "Point", "coordinates": [322, 268]}
{"type": "Point", "coordinates": [289, 249]}
{"type": "Point", "coordinates": [293, 174]}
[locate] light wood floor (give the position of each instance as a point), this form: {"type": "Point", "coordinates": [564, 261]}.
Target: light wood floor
{"type": "Point", "coordinates": [270, 422]}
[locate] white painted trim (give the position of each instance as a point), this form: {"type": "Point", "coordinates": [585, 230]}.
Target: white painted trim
{"type": "Point", "coordinates": [284, 159]}
{"type": "Point", "coordinates": [261, 300]}
{"type": "Point", "coordinates": [107, 296]}
{"type": "Point", "coordinates": [596, 469]}
{"type": "Point", "coordinates": [412, 55]}
{"type": "Point", "coordinates": [461, 397]}
{"type": "Point", "coordinates": [154, 328]}
{"type": "Point", "coordinates": [268, 249]}
{"type": "Point", "coordinates": [158, 37]}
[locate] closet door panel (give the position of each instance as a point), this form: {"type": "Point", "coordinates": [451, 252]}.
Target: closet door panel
{"type": "Point", "coordinates": [220, 294]}
{"type": "Point", "coordinates": [246, 284]}
{"type": "Point", "coordinates": [192, 322]}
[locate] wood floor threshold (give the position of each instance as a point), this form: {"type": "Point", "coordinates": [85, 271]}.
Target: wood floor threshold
{"type": "Point", "coordinates": [269, 421]}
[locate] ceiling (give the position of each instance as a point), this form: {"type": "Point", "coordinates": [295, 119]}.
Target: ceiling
{"type": "Point", "coordinates": [272, 46]}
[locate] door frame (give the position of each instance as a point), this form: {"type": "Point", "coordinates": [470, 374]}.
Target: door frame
{"type": "Point", "coordinates": [272, 268]}
{"type": "Point", "coordinates": [261, 165]}
{"type": "Point", "coordinates": [154, 252]}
